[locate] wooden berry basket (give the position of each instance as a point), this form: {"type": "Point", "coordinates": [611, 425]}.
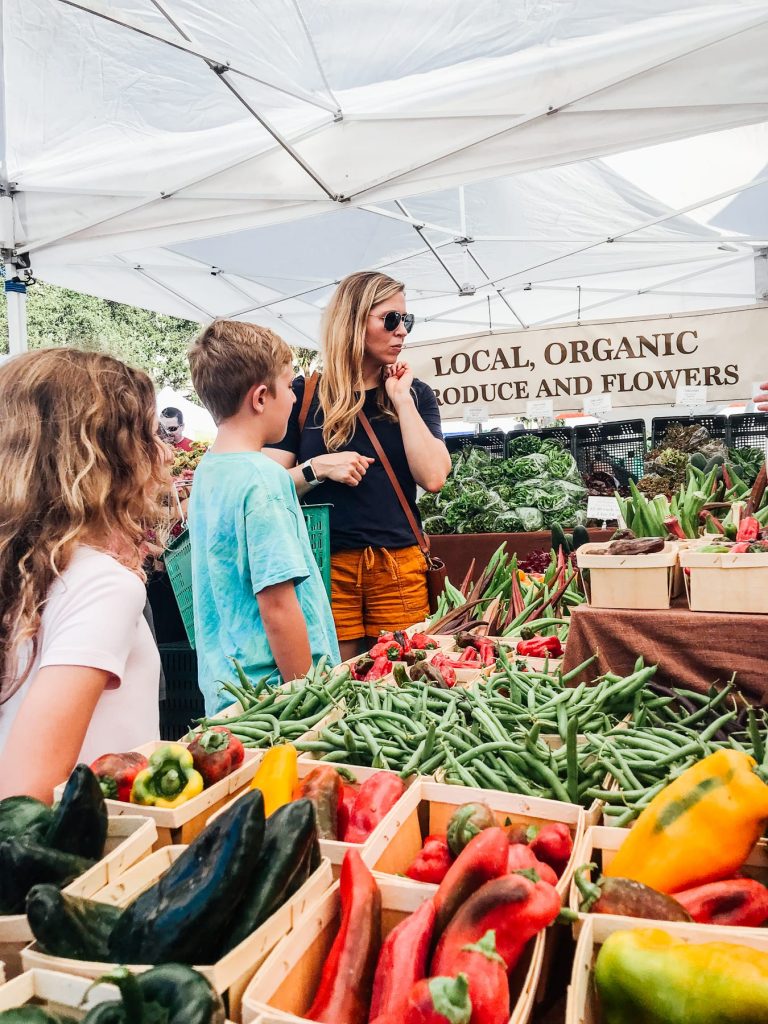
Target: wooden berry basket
{"type": "Point", "coordinates": [180, 825]}
{"type": "Point", "coordinates": [628, 581]}
{"type": "Point", "coordinates": [58, 993]}
{"type": "Point", "coordinates": [599, 846]}
{"type": "Point", "coordinates": [726, 582]}
{"type": "Point", "coordinates": [391, 851]}
{"type": "Point", "coordinates": [129, 839]}
{"type": "Point", "coordinates": [283, 988]}
{"type": "Point", "coordinates": [582, 1006]}
{"type": "Point", "coordinates": [229, 975]}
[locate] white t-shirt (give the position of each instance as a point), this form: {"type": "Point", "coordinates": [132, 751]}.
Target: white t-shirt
{"type": "Point", "coordinates": [94, 617]}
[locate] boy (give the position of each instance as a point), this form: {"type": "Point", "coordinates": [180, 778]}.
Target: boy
{"type": "Point", "coordinates": [258, 593]}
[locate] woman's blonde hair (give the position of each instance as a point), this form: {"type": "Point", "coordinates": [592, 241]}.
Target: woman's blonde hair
{"type": "Point", "coordinates": [80, 462]}
{"type": "Point", "coordinates": [341, 390]}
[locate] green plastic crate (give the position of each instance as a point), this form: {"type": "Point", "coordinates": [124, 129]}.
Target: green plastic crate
{"type": "Point", "coordinates": [178, 561]}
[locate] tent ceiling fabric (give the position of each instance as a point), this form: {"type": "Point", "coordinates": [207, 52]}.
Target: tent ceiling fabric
{"type": "Point", "coordinates": [204, 159]}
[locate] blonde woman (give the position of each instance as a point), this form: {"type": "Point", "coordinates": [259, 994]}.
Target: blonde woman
{"type": "Point", "coordinates": [81, 468]}
{"type": "Point", "coordinates": [378, 570]}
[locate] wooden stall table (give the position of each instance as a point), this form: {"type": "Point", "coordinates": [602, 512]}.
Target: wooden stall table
{"type": "Point", "coordinates": [457, 550]}
{"type": "Point", "coordinates": [692, 649]}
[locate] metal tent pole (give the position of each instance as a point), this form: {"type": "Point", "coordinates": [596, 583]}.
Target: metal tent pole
{"type": "Point", "coordinates": [16, 297]}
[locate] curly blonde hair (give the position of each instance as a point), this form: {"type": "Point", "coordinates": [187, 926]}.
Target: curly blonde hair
{"type": "Point", "coordinates": [341, 390]}
{"type": "Point", "coordinates": [80, 462]}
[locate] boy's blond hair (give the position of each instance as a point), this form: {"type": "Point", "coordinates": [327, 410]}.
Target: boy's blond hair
{"type": "Point", "coordinates": [227, 358]}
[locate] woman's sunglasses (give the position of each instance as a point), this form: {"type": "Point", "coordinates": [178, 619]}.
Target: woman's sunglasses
{"type": "Point", "coordinates": [393, 319]}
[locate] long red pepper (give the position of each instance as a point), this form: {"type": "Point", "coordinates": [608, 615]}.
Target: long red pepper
{"type": "Point", "coordinates": [514, 907]}
{"type": "Point", "coordinates": [377, 796]}
{"type": "Point", "coordinates": [403, 961]}
{"type": "Point", "coordinates": [344, 994]}
{"type": "Point", "coordinates": [736, 901]}
{"type": "Point", "coordinates": [483, 858]}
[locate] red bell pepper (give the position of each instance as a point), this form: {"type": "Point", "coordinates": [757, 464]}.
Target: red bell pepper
{"type": "Point", "coordinates": [736, 901]}
{"type": "Point", "coordinates": [515, 907]}
{"type": "Point", "coordinates": [347, 797]}
{"type": "Point", "coordinates": [522, 858]}
{"type": "Point", "coordinates": [344, 993]}
{"type": "Point", "coordinates": [432, 862]}
{"type": "Point", "coordinates": [487, 650]}
{"type": "Point", "coordinates": [381, 667]}
{"type": "Point", "coordinates": [552, 844]}
{"type": "Point", "coordinates": [422, 642]}
{"type": "Point", "coordinates": [749, 529]}
{"type": "Point", "coordinates": [444, 664]}
{"type": "Point", "coordinates": [377, 796]}
{"type": "Point", "coordinates": [487, 975]}
{"type": "Point", "coordinates": [435, 1001]}
{"type": "Point", "coordinates": [483, 858]}
{"type": "Point", "coordinates": [216, 753]}
{"type": "Point", "coordinates": [115, 773]}
{"type": "Point", "coordinates": [402, 962]}
{"type": "Point", "coordinates": [540, 647]}
{"type": "Point", "coordinates": [391, 650]}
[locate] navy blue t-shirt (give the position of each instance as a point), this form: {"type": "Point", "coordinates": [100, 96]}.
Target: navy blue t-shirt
{"type": "Point", "coordinates": [368, 515]}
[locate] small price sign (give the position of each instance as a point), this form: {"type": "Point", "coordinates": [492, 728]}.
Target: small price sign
{"type": "Point", "coordinates": [603, 509]}
{"type": "Point", "coordinates": [476, 414]}
{"type": "Point", "coordinates": [691, 396]}
{"type": "Point", "coordinates": [598, 405]}
{"type": "Point", "coordinates": [540, 409]}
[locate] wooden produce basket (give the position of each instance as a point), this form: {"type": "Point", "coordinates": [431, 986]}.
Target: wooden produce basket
{"type": "Point", "coordinates": [229, 975]}
{"type": "Point", "coordinates": [726, 582]}
{"type": "Point", "coordinates": [180, 825]}
{"type": "Point", "coordinates": [599, 845]}
{"type": "Point", "coordinates": [283, 988]}
{"type": "Point", "coordinates": [58, 993]}
{"type": "Point", "coordinates": [427, 808]}
{"type": "Point", "coordinates": [628, 581]}
{"type": "Point", "coordinates": [128, 840]}
{"type": "Point", "coordinates": [582, 1005]}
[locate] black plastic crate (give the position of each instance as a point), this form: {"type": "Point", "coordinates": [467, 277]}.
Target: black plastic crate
{"type": "Point", "coordinates": [493, 442]}
{"type": "Point", "coordinates": [563, 435]}
{"type": "Point", "coordinates": [183, 700]}
{"type": "Point", "coordinates": [747, 430]}
{"type": "Point", "coordinates": [716, 426]}
{"type": "Point", "coordinates": [615, 448]}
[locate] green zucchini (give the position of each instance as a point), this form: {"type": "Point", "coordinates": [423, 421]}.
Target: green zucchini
{"type": "Point", "coordinates": [580, 536]}
{"type": "Point", "coordinates": [287, 857]}
{"type": "Point", "coordinates": [79, 822]}
{"type": "Point", "coordinates": [559, 539]}
{"type": "Point", "coordinates": [23, 865]}
{"type": "Point", "coordinates": [184, 917]}
{"type": "Point", "coordinates": [698, 460]}
{"type": "Point", "coordinates": [24, 816]}
{"type": "Point", "coordinates": [70, 927]}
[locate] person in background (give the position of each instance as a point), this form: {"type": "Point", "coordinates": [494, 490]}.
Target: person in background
{"type": "Point", "coordinates": [761, 399]}
{"type": "Point", "coordinates": [172, 428]}
{"type": "Point", "coordinates": [378, 570]}
{"type": "Point", "coordinates": [258, 593]}
{"type": "Point", "coordinates": [81, 471]}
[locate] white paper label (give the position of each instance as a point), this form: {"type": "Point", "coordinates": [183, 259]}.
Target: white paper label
{"type": "Point", "coordinates": [691, 395]}
{"type": "Point", "coordinates": [597, 405]}
{"type": "Point", "coordinates": [603, 509]}
{"type": "Point", "coordinates": [476, 414]}
{"type": "Point", "coordinates": [540, 409]}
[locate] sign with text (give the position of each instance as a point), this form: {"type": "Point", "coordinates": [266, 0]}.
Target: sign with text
{"type": "Point", "coordinates": [540, 409]}
{"type": "Point", "coordinates": [694, 397]}
{"type": "Point", "coordinates": [635, 362]}
{"type": "Point", "coordinates": [597, 405]}
{"type": "Point", "coordinates": [475, 414]}
{"type": "Point", "coordinates": [604, 509]}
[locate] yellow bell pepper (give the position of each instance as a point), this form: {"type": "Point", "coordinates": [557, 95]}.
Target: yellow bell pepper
{"type": "Point", "coordinates": [277, 777]}
{"type": "Point", "coordinates": [169, 780]}
{"type": "Point", "coordinates": [699, 829]}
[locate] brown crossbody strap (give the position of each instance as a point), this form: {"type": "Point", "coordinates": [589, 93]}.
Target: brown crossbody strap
{"type": "Point", "coordinates": [310, 386]}
{"type": "Point", "coordinates": [421, 538]}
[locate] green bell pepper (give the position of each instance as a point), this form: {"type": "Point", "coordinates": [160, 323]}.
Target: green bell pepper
{"type": "Point", "coordinates": [168, 994]}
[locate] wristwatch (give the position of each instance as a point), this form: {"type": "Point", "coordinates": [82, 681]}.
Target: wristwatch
{"type": "Point", "coordinates": [309, 474]}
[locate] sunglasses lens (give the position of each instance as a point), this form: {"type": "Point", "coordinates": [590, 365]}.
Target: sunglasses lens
{"type": "Point", "coordinates": [408, 321]}
{"type": "Point", "coordinates": [391, 321]}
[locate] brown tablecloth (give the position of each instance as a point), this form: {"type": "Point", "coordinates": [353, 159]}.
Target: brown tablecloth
{"type": "Point", "coordinates": [692, 649]}
{"type": "Point", "coordinates": [458, 550]}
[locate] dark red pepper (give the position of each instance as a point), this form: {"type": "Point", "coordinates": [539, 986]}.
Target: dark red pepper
{"type": "Point", "coordinates": [361, 667]}
{"type": "Point", "coordinates": [483, 858]}
{"type": "Point", "coordinates": [216, 754]}
{"type": "Point", "coordinates": [376, 798]}
{"type": "Point", "coordinates": [402, 962]}
{"type": "Point", "coordinates": [736, 901]}
{"type": "Point", "coordinates": [115, 773]}
{"type": "Point", "coordinates": [344, 993]}
{"type": "Point", "coordinates": [522, 858]}
{"type": "Point", "coordinates": [515, 907]}
{"type": "Point", "coordinates": [486, 972]}
{"type": "Point", "coordinates": [322, 787]}
{"type": "Point", "coordinates": [540, 647]}
{"type": "Point", "coordinates": [553, 844]}
{"type": "Point", "coordinates": [347, 797]}
{"type": "Point", "coordinates": [432, 862]}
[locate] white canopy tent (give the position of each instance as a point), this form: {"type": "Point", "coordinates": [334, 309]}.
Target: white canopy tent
{"type": "Point", "coordinates": [237, 161]}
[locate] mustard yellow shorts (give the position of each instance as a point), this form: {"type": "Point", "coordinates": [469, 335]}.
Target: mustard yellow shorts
{"type": "Point", "coordinates": [376, 589]}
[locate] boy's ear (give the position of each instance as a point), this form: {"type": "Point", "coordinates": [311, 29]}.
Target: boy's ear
{"type": "Point", "coordinates": [258, 397]}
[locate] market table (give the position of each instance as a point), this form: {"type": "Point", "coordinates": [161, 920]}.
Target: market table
{"type": "Point", "coordinates": [692, 649]}
{"type": "Point", "coordinates": [458, 550]}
